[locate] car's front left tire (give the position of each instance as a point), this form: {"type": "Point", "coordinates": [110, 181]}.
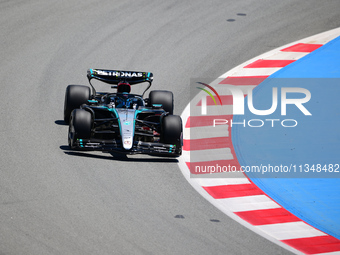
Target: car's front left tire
{"type": "Point", "coordinates": [172, 132]}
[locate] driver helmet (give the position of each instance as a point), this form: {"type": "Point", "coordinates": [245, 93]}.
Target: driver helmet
{"type": "Point", "coordinates": [123, 87]}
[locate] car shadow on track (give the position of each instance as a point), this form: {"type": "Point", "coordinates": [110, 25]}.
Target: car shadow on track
{"type": "Point", "coordinates": [117, 156]}
{"type": "Point", "coordinates": [61, 123]}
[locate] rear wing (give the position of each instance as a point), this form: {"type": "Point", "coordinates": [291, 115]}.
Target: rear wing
{"type": "Point", "coordinates": [114, 76]}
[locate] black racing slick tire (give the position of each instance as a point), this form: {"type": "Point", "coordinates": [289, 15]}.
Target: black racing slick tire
{"type": "Point", "coordinates": [75, 96]}
{"type": "Point", "coordinates": [172, 132]}
{"type": "Point", "coordinates": [80, 126]}
{"type": "Point", "coordinates": [163, 97]}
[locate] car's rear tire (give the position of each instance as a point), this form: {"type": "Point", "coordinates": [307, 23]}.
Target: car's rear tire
{"type": "Point", "coordinates": [80, 126]}
{"type": "Point", "coordinates": [163, 97]}
{"type": "Point", "coordinates": [172, 132]}
{"type": "Point", "coordinates": [75, 96]}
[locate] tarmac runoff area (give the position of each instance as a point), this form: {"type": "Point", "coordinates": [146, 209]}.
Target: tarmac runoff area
{"type": "Point", "coordinates": [298, 213]}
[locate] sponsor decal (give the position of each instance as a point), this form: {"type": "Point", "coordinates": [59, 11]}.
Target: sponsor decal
{"type": "Point", "coordinates": [117, 73]}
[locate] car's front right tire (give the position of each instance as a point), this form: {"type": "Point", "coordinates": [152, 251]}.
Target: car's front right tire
{"type": "Point", "coordinates": [80, 126]}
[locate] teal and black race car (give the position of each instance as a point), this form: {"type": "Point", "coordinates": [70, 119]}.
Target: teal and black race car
{"type": "Point", "coordinates": [120, 121]}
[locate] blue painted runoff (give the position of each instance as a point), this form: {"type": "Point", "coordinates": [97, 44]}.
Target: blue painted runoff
{"type": "Point", "coordinates": [300, 153]}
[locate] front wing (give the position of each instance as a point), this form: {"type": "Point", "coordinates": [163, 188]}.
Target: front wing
{"type": "Point", "coordinates": [138, 147]}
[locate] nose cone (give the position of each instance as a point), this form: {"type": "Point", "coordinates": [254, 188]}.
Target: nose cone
{"type": "Point", "coordinates": [127, 143]}
{"type": "Point", "coordinates": [126, 117]}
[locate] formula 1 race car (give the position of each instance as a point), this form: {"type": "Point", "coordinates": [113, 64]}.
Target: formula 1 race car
{"type": "Point", "coordinates": [120, 121]}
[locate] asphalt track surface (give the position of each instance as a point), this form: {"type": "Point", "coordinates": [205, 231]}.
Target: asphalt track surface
{"type": "Point", "coordinates": [55, 201]}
